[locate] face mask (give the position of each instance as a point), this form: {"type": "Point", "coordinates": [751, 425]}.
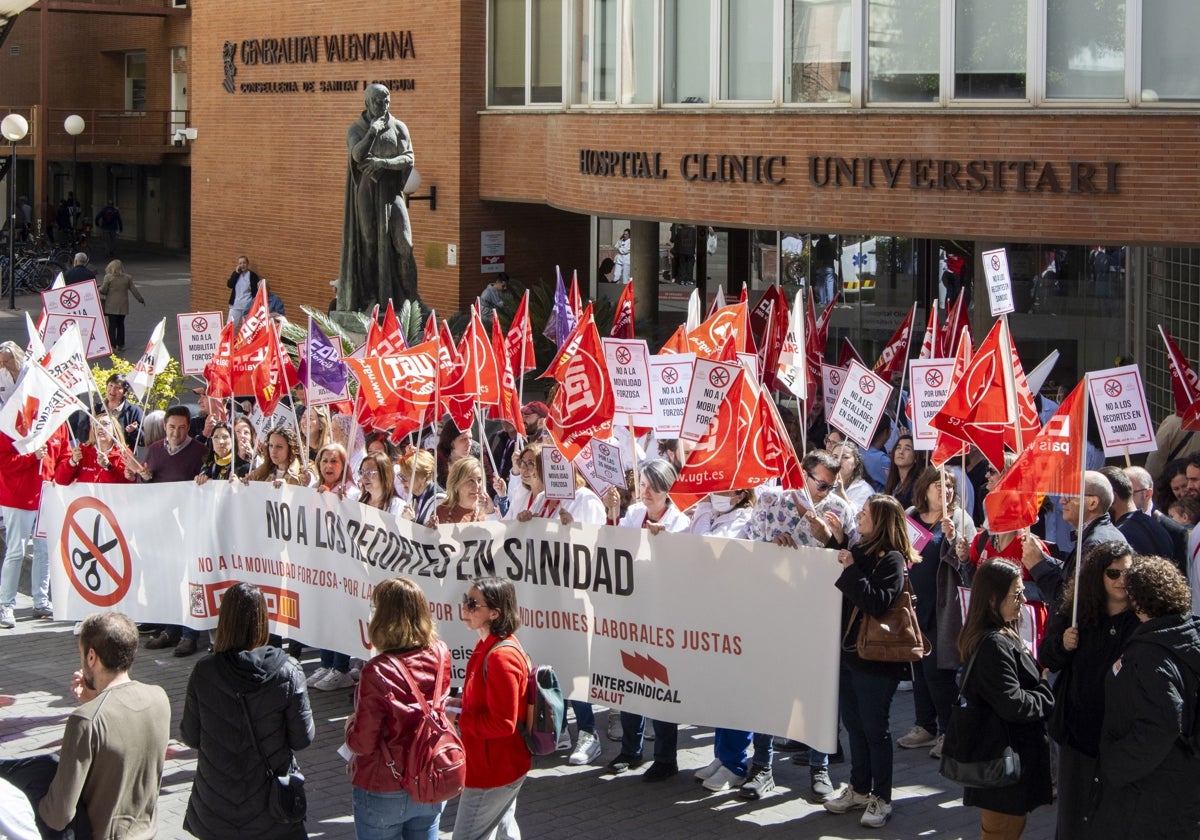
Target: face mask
{"type": "Point", "coordinates": [721, 504]}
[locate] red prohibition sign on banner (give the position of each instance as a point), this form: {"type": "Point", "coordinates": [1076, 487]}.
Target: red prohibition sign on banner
{"type": "Point", "coordinates": [199, 324]}
{"type": "Point", "coordinates": [866, 384]}
{"type": "Point", "coordinates": [1112, 387]}
{"type": "Point", "coordinates": [603, 447]}
{"type": "Point", "coordinates": [670, 375]}
{"type": "Point", "coordinates": [623, 355]}
{"type": "Point", "coordinates": [556, 456]}
{"type": "Point", "coordinates": [835, 378]}
{"type": "Point", "coordinates": [62, 328]}
{"type": "Point", "coordinates": [69, 299]}
{"type": "Point", "coordinates": [95, 553]}
{"type": "Point", "coordinates": [719, 377]}
{"type": "Point", "coordinates": [995, 262]}
{"type": "Point", "coordinates": [933, 378]}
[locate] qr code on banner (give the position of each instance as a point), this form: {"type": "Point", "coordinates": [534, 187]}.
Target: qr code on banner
{"type": "Point", "coordinates": [197, 607]}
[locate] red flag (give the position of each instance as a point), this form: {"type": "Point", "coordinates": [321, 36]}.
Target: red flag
{"type": "Point", "coordinates": [849, 353]}
{"type": "Point", "coordinates": [1185, 385]}
{"type": "Point", "coordinates": [257, 318]}
{"type": "Point", "coordinates": [483, 372]}
{"type": "Point", "coordinates": [623, 317]}
{"type": "Point", "coordinates": [452, 381]}
{"type": "Point", "coordinates": [218, 371]}
{"type": "Point", "coordinates": [956, 319]}
{"type": "Point", "coordinates": [520, 339]}
{"type": "Point", "coordinates": [269, 378]}
{"type": "Point", "coordinates": [947, 446]}
{"type": "Point", "coordinates": [246, 356]}
{"type": "Point", "coordinates": [727, 323]}
{"type": "Point", "coordinates": [569, 347]}
{"type": "Point", "coordinates": [573, 298]}
{"type": "Point", "coordinates": [932, 343]}
{"type": "Point", "coordinates": [510, 405]}
{"type": "Point", "coordinates": [894, 356]}
{"type": "Point", "coordinates": [1053, 463]}
{"type": "Point", "coordinates": [431, 327]}
{"type": "Point", "coordinates": [583, 406]}
{"type": "Point", "coordinates": [677, 343]}
{"type": "Point", "coordinates": [397, 389]}
{"type": "Point", "coordinates": [980, 407]}
{"type": "Point", "coordinates": [387, 340]}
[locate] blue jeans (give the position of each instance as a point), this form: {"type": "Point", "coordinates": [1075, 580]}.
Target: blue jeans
{"type": "Point", "coordinates": [336, 661]}
{"type": "Point", "coordinates": [823, 280]}
{"type": "Point", "coordinates": [584, 716]}
{"type": "Point", "coordinates": [18, 531]}
{"type": "Point", "coordinates": [865, 701]}
{"type": "Point", "coordinates": [392, 815]}
{"type": "Point", "coordinates": [666, 737]}
{"type": "Point", "coordinates": [732, 747]}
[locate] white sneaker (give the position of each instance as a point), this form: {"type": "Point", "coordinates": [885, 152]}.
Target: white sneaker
{"type": "Point", "coordinates": [7, 619]}
{"type": "Point", "coordinates": [587, 749]}
{"type": "Point", "coordinates": [848, 800]}
{"type": "Point", "coordinates": [877, 813]}
{"type": "Point", "coordinates": [936, 752]}
{"type": "Point", "coordinates": [615, 732]}
{"type": "Point", "coordinates": [564, 740]}
{"type": "Point", "coordinates": [916, 737]}
{"type": "Point", "coordinates": [317, 676]}
{"type": "Point", "coordinates": [706, 772]}
{"type": "Point", "coordinates": [723, 779]}
{"type": "Point", "coordinates": [334, 681]}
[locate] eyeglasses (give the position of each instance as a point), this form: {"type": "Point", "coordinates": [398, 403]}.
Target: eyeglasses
{"type": "Point", "coordinates": [527, 462]}
{"type": "Point", "coordinates": [822, 486]}
{"type": "Point", "coordinates": [1115, 574]}
{"type": "Point", "coordinates": [368, 473]}
{"type": "Point", "coordinates": [471, 604]}
{"type": "Point", "coordinates": [1019, 596]}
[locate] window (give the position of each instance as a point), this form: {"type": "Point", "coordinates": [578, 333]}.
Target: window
{"type": "Point", "coordinates": [816, 63]}
{"type": "Point", "coordinates": [135, 81]}
{"type": "Point", "coordinates": [903, 50]}
{"type": "Point", "coordinates": [1085, 49]}
{"type": "Point", "coordinates": [989, 49]}
{"type": "Point", "coordinates": [638, 39]}
{"type": "Point", "coordinates": [507, 53]}
{"type": "Point", "coordinates": [604, 51]}
{"type": "Point", "coordinates": [746, 29]}
{"type": "Point", "coordinates": [686, 28]}
{"type": "Point", "coordinates": [547, 54]}
{"type": "Point", "coordinates": [1170, 59]}
{"type": "Point", "coordinates": [513, 25]}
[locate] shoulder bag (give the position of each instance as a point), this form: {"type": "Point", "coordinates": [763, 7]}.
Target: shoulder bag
{"type": "Point", "coordinates": [969, 748]}
{"type": "Point", "coordinates": [893, 637]}
{"type": "Point", "coordinates": [286, 801]}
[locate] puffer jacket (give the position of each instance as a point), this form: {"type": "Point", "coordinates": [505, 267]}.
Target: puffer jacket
{"type": "Point", "coordinates": [1149, 778]}
{"type": "Point", "coordinates": [229, 794]}
{"type": "Point", "coordinates": [387, 712]}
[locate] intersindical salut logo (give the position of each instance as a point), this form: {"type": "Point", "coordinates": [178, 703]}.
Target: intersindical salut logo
{"type": "Point", "coordinates": [653, 681]}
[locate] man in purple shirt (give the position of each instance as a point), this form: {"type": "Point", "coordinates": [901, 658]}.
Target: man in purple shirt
{"type": "Point", "coordinates": [177, 457]}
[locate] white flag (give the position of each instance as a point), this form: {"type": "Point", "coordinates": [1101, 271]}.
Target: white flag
{"type": "Point", "coordinates": [67, 362]}
{"type": "Point", "coordinates": [37, 407]}
{"type": "Point", "coordinates": [59, 281]}
{"type": "Point", "coordinates": [693, 311]}
{"type": "Point", "coordinates": [792, 372]}
{"type": "Point", "coordinates": [35, 350]}
{"type": "Point", "coordinates": [153, 362]}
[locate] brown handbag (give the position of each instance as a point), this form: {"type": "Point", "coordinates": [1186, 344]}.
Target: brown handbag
{"type": "Point", "coordinates": [893, 637]}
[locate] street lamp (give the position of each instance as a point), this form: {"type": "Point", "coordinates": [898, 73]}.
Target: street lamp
{"type": "Point", "coordinates": [14, 127]}
{"type": "Point", "coordinates": [74, 125]}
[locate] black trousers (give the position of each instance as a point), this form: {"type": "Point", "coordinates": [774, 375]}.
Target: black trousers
{"type": "Point", "coordinates": [116, 330]}
{"type": "Point", "coordinates": [32, 776]}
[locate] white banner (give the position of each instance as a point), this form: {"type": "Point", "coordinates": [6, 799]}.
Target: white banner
{"type": "Point", "coordinates": [1119, 402]}
{"type": "Point", "coordinates": [670, 381]}
{"type": "Point", "coordinates": [672, 626]}
{"type": "Point", "coordinates": [628, 363]}
{"type": "Point", "coordinates": [929, 385]}
{"type": "Point", "coordinates": [711, 381]}
{"type": "Point", "coordinates": [999, 282]}
{"type": "Point", "coordinates": [832, 379]}
{"type": "Point", "coordinates": [860, 404]}
{"type": "Point", "coordinates": [54, 327]}
{"type": "Point", "coordinates": [558, 475]}
{"type": "Point", "coordinates": [199, 333]}
{"type": "Point", "coordinates": [81, 299]}
{"type": "Point", "coordinates": [607, 461]}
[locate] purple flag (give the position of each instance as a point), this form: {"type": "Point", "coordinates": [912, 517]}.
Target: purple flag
{"type": "Point", "coordinates": [561, 322]}
{"type": "Point", "coordinates": [322, 371]}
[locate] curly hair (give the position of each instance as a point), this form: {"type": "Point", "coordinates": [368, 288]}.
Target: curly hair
{"type": "Point", "coordinates": [1093, 599]}
{"type": "Point", "coordinates": [1156, 588]}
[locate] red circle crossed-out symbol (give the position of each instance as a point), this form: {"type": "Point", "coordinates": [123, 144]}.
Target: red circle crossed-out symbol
{"type": "Point", "coordinates": [199, 324]}
{"type": "Point", "coordinates": [995, 262]}
{"type": "Point", "coordinates": [624, 357]}
{"type": "Point", "coordinates": [933, 378]}
{"type": "Point", "coordinates": [670, 375]}
{"type": "Point", "coordinates": [65, 325]}
{"type": "Point", "coordinates": [97, 561]}
{"type": "Point", "coordinates": [719, 377]}
{"type": "Point", "coordinates": [866, 384]}
{"type": "Point", "coordinates": [603, 449]}
{"type": "Point", "coordinates": [1112, 387]}
{"type": "Point", "coordinates": [555, 456]}
{"type": "Point", "coordinates": [69, 299]}
{"type": "Point", "coordinates": [835, 378]}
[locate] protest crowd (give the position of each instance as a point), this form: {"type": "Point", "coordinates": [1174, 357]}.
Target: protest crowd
{"type": "Point", "coordinates": [998, 557]}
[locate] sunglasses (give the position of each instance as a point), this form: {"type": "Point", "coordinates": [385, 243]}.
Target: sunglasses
{"type": "Point", "coordinates": [822, 486]}
{"type": "Point", "coordinates": [471, 604]}
{"type": "Point", "coordinates": [1115, 574]}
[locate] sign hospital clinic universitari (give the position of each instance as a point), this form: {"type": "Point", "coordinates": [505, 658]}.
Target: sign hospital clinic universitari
{"type": "Point", "coordinates": [395, 45]}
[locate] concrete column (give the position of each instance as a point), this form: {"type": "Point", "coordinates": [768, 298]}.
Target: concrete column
{"type": "Point", "coordinates": [643, 266]}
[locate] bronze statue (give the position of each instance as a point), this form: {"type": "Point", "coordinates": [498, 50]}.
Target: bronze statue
{"type": "Point", "coordinates": [377, 248]}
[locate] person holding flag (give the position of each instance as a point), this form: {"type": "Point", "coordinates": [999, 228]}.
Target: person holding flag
{"type": "Point", "coordinates": [98, 459]}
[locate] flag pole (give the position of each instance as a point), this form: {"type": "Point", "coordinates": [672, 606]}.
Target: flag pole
{"type": "Point", "coordinates": [520, 371]}
{"type": "Point", "coordinates": [1082, 496]}
{"type": "Point", "coordinates": [1010, 382]}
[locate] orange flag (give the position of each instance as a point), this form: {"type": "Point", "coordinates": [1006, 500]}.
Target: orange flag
{"type": "Point", "coordinates": [509, 406]}
{"type": "Point", "coordinates": [730, 322]}
{"type": "Point", "coordinates": [520, 340]}
{"type": "Point", "coordinates": [623, 317]}
{"type": "Point", "coordinates": [583, 406]}
{"type": "Point", "coordinates": [483, 372]}
{"type": "Point", "coordinates": [1051, 464]}
{"type": "Point", "coordinates": [397, 389]}
{"type": "Point", "coordinates": [677, 343]}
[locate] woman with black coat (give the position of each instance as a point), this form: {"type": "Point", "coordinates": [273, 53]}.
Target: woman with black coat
{"type": "Point", "coordinates": [1083, 654]}
{"type": "Point", "coordinates": [230, 793]}
{"type": "Point", "coordinates": [1006, 687]}
{"type": "Point", "coordinates": [871, 580]}
{"type": "Point", "coordinates": [1149, 775]}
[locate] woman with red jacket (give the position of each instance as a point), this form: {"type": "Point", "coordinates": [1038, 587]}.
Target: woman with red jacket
{"type": "Point", "coordinates": [387, 713]}
{"type": "Point", "coordinates": [494, 695]}
{"type": "Point", "coordinates": [98, 460]}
